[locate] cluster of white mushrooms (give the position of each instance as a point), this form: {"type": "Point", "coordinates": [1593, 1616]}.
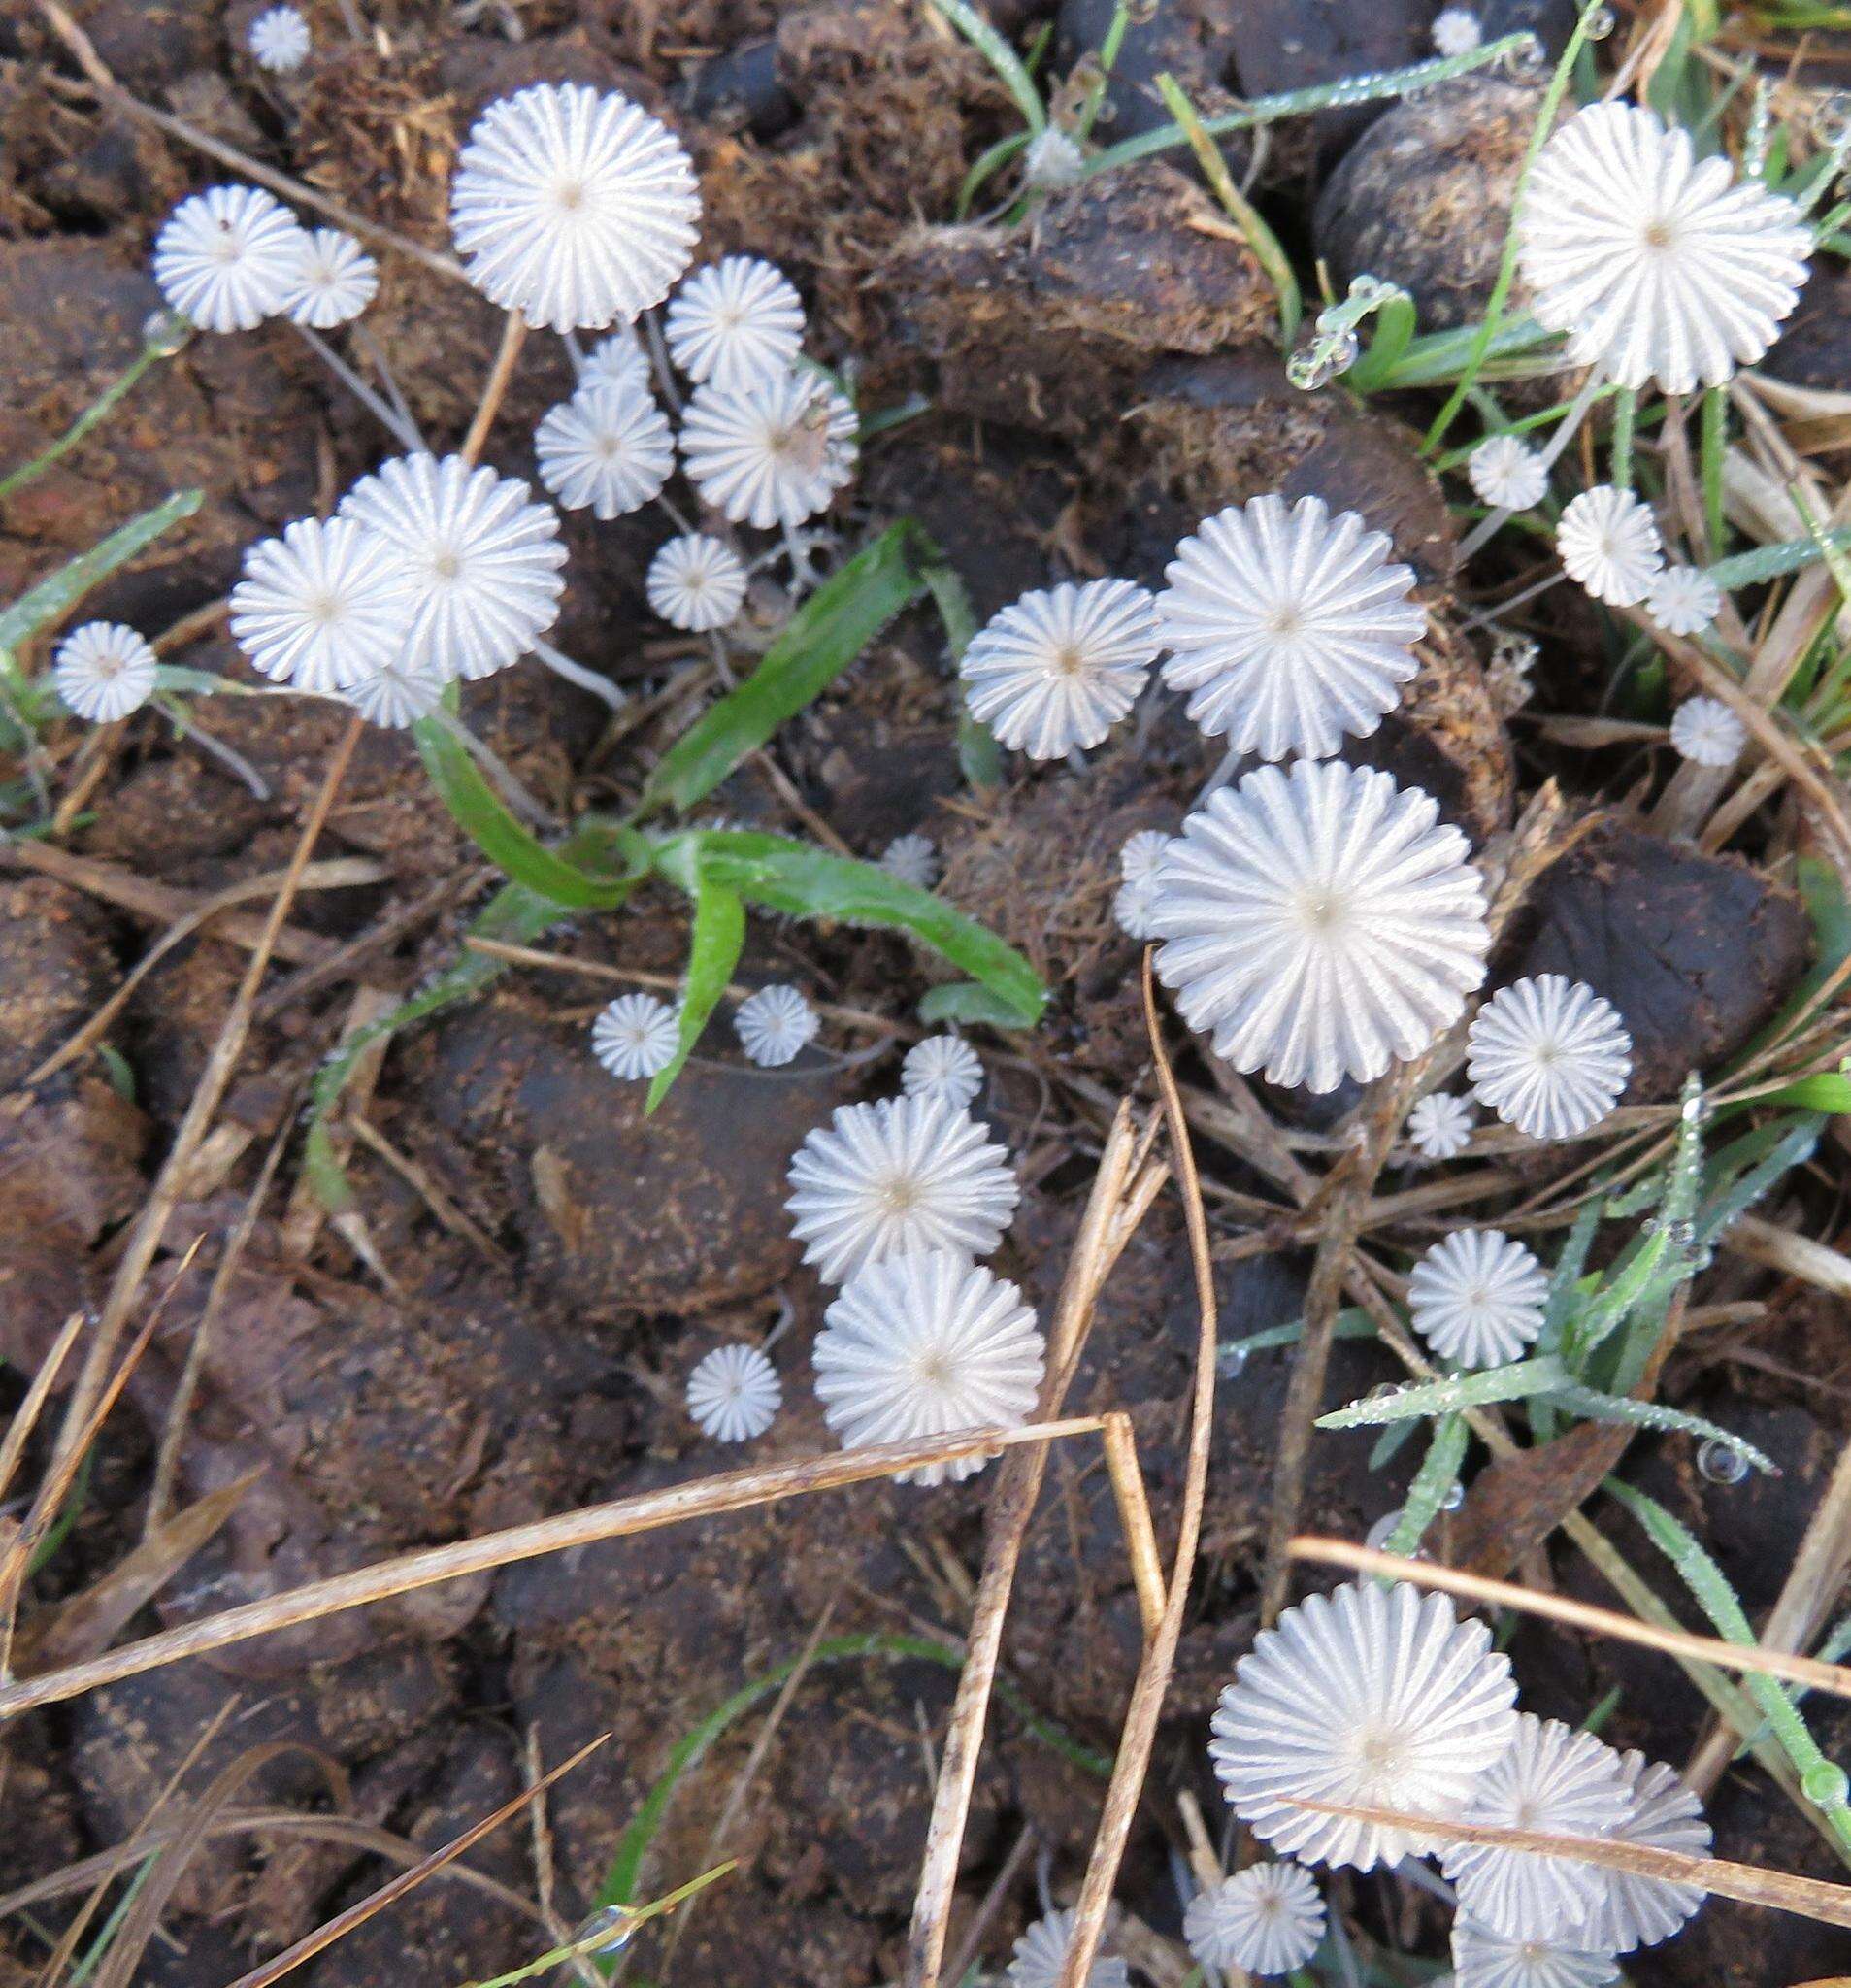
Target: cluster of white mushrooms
{"type": "Point", "coordinates": [1380, 1699]}
{"type": "Point", "coordinates": [1315, 921]}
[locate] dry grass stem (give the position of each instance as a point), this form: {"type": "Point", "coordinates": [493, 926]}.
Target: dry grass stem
{"type": "Point", "coordinates": [342, 1923]}
{"type": "Point", "coordinates": [162, 904]}
{"type": "Point", "coordinates": [1749, 1885]}
{"type": "Point", "coordinates": [19, 1429]}
{"type": "Point", "coordinates": [1132, 1759]}
{"type": "Point", "coordinates": [501, 373]}
{"type": "Point", "coordinates": [732, 1491]}
{"type": "Point", "coordinates": [1133, 1515]}
{"type": "Point", "coordinates": [1499, 1593]}
{"type": "Point", "coordinates": [671, 984]}
{"type": "Point", "coordinates": [1123, 1188]}
{"type": "Point", "coordinates": [1793, 1255]}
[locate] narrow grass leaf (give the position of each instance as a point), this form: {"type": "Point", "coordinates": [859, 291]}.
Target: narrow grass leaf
{"type": "Point", "coordinates": [1821, 1780]}
{"type": "Point", "coordinates": [1439, 1472]}
{"type": "Point", "coordinates": [1592, 1406]}
{"type": "Point", "coordinates": [52, 599]}
{"type": "Point", "coordinates": [624, 1879]}
{"type": "Point", "coordinates": [824, 636]}
{"type": "Point", "coordinates": [1001, 57]}
{"type": "Point", "coordinates": [1457, 1391]}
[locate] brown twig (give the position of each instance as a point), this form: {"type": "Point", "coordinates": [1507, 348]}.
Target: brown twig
{"type": "Point", "coordinates": [1503, 1594]}
{"type": "Point", "coordinates": [180, 1411]}
{"type": "Point", "coordinates": [1140, 1731]}
{"type": "Point", "coordinates": [732, 1491]}
{"type": "Point", "coordinates": [671, 984]}
{"type": "Point", "coordinates": [501, 373]}
{"type": "Point", "coordinates": [1123, 1189]}
{"type": "Point", "coordinates": [145, 1238]}
{"type": "Point", "coordinates": [1133, 1515]}
{"type": "Point", "coordinates": [1749, 1885]}
{"type": "Point", "coordinates": [19, 1429]}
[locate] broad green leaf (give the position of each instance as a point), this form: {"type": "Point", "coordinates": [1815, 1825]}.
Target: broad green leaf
{"type": "Point", "coordinates": [791, 877]}
{"type": "Point", "coordinates": [825, 635]}
{"type": "Point", "coordinates": [52, 599]}
{"type": "Point", "coordinates": [1830, 1092]}
{"type": "Point", "coordinates": [514, 915]}
{"type": "Point", "coordinates": [483, 815]}
{"type": "Point", "coordinates": [714, 945]}
{"type": "Point", "coordinates": [1510, 1383]}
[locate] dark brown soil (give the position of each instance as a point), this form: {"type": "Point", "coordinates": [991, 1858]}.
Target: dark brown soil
{"type": "Point", "coordinates": [1099, 382]}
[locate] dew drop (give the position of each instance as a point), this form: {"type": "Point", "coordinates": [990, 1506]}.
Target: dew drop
{"type": "Point", "coordinates": [607, 1930]}
{"type": "Point", "coordinates": [1382, 1531]}
{"type": "Point", "coordinates": [1721, 1464]}
{"type": "Point", "coordinates": [1832, 118]}
{"type": "Point", "coordinates": [1525, 58]}
{"type": "Point", "coordinates": [1141, 13]}
{"type": "Point", "coordinates": [165, 332]}
{"type": "Point", "coordinates": [1230, 1362]}
{"type": "Point", "coordinates": [1455, 1497]}
{"type": "Point", "coordinates": [1598, 23]}
{"type": "Point", "coordinates": [1824, 1785]}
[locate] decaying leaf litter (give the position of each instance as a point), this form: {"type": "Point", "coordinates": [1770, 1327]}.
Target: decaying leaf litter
{"type": "Point", "coordinates": [373, 1266]}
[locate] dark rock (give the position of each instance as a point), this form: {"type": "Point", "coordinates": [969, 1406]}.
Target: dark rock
{"type": "Point", "coordinates": [128, 1740]}
{"type": "Point", "coordinates": [1192, 40]}
{"type": "Point", "coordinates": [222, 417]}
{"type": "Point", "coordinates": [445, 1931]}
{"type": "Point", "coordinates": [742, 87]}
{"type": "Point", "coordinates": [1695, 951]}
{"type": "Point", "coordinates": [1043, 326]}
{"type": "Point", "coordinates": [1282, 45]}
{"type": "Point", "coordinates": [618, 1212]}
{"type": "Point", "coordinates": [1423, 197]}
{"type": "Point", "coordinates": [1220, 430]}
{"type": "Point", "coordinates": [146, 44]}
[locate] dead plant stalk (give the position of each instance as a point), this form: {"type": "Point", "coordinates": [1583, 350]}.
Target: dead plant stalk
{"type": "Point", "coordinates": [1123, 1188]}
{"type": "Point", "coordinates": [732, 1491]}
{"type": "Point", "coordinates": [1135, 1743]}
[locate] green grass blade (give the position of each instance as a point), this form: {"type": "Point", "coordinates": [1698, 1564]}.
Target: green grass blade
{"type": "Point", "coordinates": [1821, 1780]}
{"type": "Point", "coordinates": [785, 876]}
{"type": "Point", "coordinates": [1507, 263]}
{"type": "Point", "coordinates": [153, 351]}
{"type": "Point", "coordinates": [484, 816]}
{"type": "Point", "coordinates": [52, 599]}
{"type": "Point", "coordinates": [825, 635]}
{"type": "Point", "coordinates": [1370, 89]}
{"type": "Point", "coordinates": [1001, 57]}
{"type": "Point", "coordinates": [1511, 1383]}
{"type": "Point", "coordinates": [714, 945]}
{"type": "Point", "coordinates": [979, 756]}
{"type": "Point", "coordinates": [625, 1876]}
{"type": "Point", "coordinates": [986, 165]}
{"type": "Point", "coordinates": [1439, 1472]}
{"type": "Point", "coordinates": [1592, 1406]}
{"type": "Point", "coordinates": [1771, 562]}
